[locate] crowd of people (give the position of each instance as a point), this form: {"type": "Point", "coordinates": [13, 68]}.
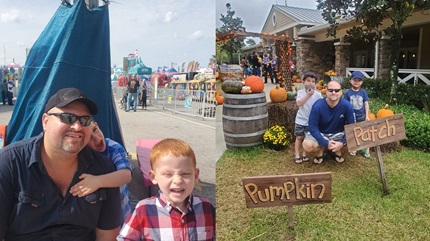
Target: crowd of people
{"type": "Point", "coordinates": [135, 93]}
{"type": "Point", "coordinates": [7, 87]}
{"type": "Point", "coordinates": [319, 124]}
{"type": "Point", "coordinates": [261, 66]}
{"type": "Point", "coordinates": [67, 183]}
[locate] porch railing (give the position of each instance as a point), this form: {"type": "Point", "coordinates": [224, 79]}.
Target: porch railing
{"type": "Point", "coordinates": [411, 76]}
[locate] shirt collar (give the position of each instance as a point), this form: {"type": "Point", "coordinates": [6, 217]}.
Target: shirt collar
{"type": "Point", "coordinates": [168, 206]}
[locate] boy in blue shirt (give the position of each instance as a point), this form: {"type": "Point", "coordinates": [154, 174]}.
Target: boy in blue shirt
{"type": "Point", "coordinates": [359, 101]}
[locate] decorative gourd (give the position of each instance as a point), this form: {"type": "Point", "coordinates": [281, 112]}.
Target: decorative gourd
{"type": "Point", "coordinates": [278, 95]}
{"type": "Point", "coordinates": [384, 112]}
{"type": "Point", "coordinates": [291, 95]}
{"type": "Point", "coordinates": [231, 86]}
{"type": "Point", "coordinates": [372, 116]}
{"type": "Point", "coordinates": [246, 90]}
{"type": "Point", "coordinates": [324, 91]}
{"type": "Point", "coordinates": [256, 83]}
{"type": "Point", "coordinates": [219, 99]}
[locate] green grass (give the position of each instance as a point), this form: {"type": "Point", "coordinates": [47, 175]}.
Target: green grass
{"type": "Point", "coordinates": [358, 210]}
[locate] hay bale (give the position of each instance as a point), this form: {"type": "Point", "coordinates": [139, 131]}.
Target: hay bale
{"type": "Point", "coordinates": [283, 114]}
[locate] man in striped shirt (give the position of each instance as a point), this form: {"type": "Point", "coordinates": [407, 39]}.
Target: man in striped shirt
{"type": "Point", "coordinates": [175, 213]}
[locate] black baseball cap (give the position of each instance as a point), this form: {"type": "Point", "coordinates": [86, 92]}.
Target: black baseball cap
{"type": "Point", "coordinates": [310, 74]}
{"type": "Point", "coordinates": [66, 96]}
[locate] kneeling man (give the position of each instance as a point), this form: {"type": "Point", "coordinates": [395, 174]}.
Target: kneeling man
{"type": "Point", "coordinates": [326, 124]}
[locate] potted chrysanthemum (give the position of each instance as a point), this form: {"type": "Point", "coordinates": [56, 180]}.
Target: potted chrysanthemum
{"type": "Point", "coordinates": [276, 138]}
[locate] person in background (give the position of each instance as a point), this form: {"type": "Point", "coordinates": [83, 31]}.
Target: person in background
{"type": "Point", "coordinates": [175, 213]}
{"type": "Point", "coordinates": [10, 86]}
{"type": "Point", "coordinates": [256, 64]}
{"type": "Point", "coordinates": [3, 88]}
{"type": "Point", "coordinates": [275, 68]}
{"type": "Point", "coordinates": [36, 175]}
{"type": "Point", "coordinates": [359, 100]}
{"type": "Point", "coordinates": [326, 124]}
{"type": "Point", "coordinates": [132, 87]}
{"type": "Point", "coordinates": [305, 99]}
{"type": "Point", "coordinates": [267, 68]}
{"type": "Point", "coordinates": [143, 96]}
{"type": "Point", "coordinates": [244, 66]}
{"type": "Point", "coordinates": [116, 153]}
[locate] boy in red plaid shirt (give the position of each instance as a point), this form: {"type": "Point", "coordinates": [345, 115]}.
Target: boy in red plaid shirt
{"type": "Point", "coordinates": [174, 214]}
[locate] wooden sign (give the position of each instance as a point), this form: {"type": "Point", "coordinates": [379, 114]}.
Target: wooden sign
{"type": "Point", "coordinates": [285, 190]}
{"type": "Point", "coordinates": [375, 133]}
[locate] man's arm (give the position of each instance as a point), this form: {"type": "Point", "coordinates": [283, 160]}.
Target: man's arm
{"type": "Point", "coordinates": [6, 193]}
{"type": "Point", "coordinates": [106, 235]}
{"type": "Point", "coordinates": [91, 183]}
{"type": "Point", "coordinates": [314, 118]}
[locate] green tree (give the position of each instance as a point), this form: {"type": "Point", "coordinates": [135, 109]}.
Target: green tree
{"type": "Point", "coordinates": [371, 13]}
{"type": "Point", "coordinates": [250, 42]}
{"type": "Point", "coordinates": [233, 45]}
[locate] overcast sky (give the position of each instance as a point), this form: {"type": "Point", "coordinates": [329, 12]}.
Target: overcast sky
{"type": "Point", "coordinates": [163, 31]}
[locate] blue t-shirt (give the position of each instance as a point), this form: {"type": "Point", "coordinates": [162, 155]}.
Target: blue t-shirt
{"type": "Point", "coordinates": [116, 153]}
{"type": "Point", "coordinates": [357, 100]}
{"type": "Point", "coordinates": [326, 120]}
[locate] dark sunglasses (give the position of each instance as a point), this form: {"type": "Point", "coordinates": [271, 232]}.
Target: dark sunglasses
{"type": "Point", "coordinates": [69, 119]}
{"type": "Point", "coordinates": [335, 90]}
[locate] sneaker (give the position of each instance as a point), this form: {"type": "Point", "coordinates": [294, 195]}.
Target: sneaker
{"type": "Point", "coordinates": [352, 153]}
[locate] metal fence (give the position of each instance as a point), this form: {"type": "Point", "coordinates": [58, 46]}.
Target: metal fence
{"type": "Point", "coordinates": [197, 103]}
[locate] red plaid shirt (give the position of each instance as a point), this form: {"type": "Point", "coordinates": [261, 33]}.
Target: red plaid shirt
{"type": "Point", "coordinates": [155, 219]}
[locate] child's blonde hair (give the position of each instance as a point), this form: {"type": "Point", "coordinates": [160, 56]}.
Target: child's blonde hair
{"type": "Point", "coordinates": [172, 146]}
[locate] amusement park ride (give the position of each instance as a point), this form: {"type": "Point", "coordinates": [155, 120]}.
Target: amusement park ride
{"type": "Point", "coordinates": [282, 48]}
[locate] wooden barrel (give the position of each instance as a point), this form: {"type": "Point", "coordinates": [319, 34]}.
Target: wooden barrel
{"type": "Point", "coordinates": [244, 119]}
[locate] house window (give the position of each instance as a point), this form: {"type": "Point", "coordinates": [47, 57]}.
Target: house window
{"type": "Point", "coordinates": [274, 19]}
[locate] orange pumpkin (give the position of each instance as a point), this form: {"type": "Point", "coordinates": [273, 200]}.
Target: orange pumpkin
{"type": "Point", "coordinates": [256, 83]}
{"type": "Point", "coordinates": [324, 91]}
{"type": "Point", "coordinates": [384, 112]}
{"type": "Point", "coordinates": [278, 95]}
{"type": "Point", "coordinates": [219, 99]}
{"type": "Point", "coordinates": [372, 116]}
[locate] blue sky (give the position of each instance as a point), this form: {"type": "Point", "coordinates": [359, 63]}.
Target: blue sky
{"type": "Point", "coordinates": [163, 31]}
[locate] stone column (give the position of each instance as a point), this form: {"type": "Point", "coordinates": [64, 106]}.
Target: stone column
{"type": "Point", "coordinates": [305, 55]}
{"type": "Point", "coordinates": [384, 55]}
{"type": "Point", "coordinates": [342, 53]}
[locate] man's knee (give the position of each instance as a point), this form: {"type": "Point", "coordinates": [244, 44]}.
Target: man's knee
{"type": "Point", "coordinates": [309, 145]}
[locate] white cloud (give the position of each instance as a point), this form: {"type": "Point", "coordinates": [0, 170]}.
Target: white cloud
{"type": "Point", "coordinates": [11, 16]}
{"type": "Point", "coordinates": [197, 35]}
{"type": "Point", "coordinates": [170, 17]}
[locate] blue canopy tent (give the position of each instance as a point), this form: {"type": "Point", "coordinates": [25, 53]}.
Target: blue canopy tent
{"type": "Point", "coordinates": [72, 51]}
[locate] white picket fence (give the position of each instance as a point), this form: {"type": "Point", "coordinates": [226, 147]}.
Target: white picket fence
{"type": "Point", "coordinates": [411, 76]}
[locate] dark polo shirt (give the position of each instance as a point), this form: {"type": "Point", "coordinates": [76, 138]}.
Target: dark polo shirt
{"type": "Point", "coordinates": [32, 206]}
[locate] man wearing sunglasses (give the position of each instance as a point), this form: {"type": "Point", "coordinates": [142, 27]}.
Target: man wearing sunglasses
{"type": "Point", "coordinates": [326, 124]}
{"type": "Point", "coordinates": [36, 175]}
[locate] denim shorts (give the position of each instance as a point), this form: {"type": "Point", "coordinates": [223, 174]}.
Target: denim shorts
{"type": "Point", "coordinates": [360, 118]}
{"type": "Point", "coordinates": [300, 130]}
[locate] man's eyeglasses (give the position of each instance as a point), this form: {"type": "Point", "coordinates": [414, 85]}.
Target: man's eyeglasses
{"type": "Point", "coordinates": [69, 119]}
{"type": "Point", "coordinates": [335, 90]}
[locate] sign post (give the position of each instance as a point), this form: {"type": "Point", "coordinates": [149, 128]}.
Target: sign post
{"type": "Point", "coordinates": [375, 133]}
{"type": "Point", "coordinates": [286, 190]}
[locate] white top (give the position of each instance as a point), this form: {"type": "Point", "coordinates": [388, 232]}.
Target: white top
{"type": "Point", "coordinates": [304, 110]}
